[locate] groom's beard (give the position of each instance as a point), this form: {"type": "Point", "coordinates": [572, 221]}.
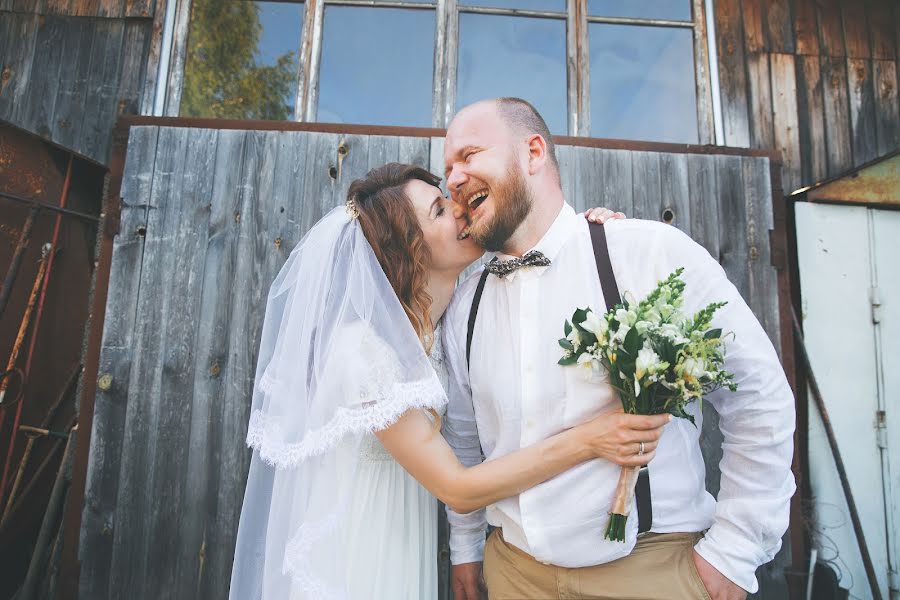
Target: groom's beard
{"type": "Point", "coordinates": [512, 204]}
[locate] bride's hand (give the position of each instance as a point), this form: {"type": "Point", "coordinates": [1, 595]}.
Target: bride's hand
{"type": "Point", "coordinates": [602, 215]}
{"type": "Point", "coordinates": [617, 437]}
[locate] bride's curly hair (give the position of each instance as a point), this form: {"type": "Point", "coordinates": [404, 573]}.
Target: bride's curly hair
{"type": "Point", "coordinates": [388, 220]}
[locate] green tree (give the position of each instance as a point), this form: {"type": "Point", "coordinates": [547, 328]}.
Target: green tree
{"type": "Point", "coordinates": [222, 77]}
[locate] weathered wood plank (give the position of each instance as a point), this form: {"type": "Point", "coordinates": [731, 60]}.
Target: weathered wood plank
{"type": "Point", "coordinates": [216, 465]}
{"type": "Point", "coordinates": [732, 78]}
{"type": "Point", "coordinates": [706, 126]}
{"type": "Point", "coordinates": [415, 151]}
{"type": "Point", "coordinates": [71, 84]}
{"type": "Point", "coordinates": [811, 118]}
{"type": "Point", "coordinates": [755, 39]}
{"type": "Point", "coordinates": [806, 28]}
{"type": "Point", "coordinates": [132, 71]}
{"type": "Point", "coordinates": [382, 149]}
{"type": "Point", "coordinates": [616, 185]}
{"type": "Point", "coordinates": [779, 30]}
{"type": "Point", "coordinates": [116, 358]}
{"type": "Point", "coordinates": [565, 156]}
{"type": "Point", "coordinates": [856, 31]}
{"type": "Point", "coordinates": [318, 190]}
{"type": "Point", "coordinates": [759, 84]}
{"type": "Point", "coordinates": [54, 36]}
{"type": "Point", "coordinates": [587, 182]}
{"type": "Point", "coordinates": [837, 115]}
{"type": "Point", "coordinates": [762, 284]}
{"type": "Point", "coordinates": [862, 110]}
{"type": "Point", "coordinates": [129, 572]}
{"type": "Point", "coordinates": [732, 222]}
{"type": "Point", "coordinates": [18, 58]}
{"type": "Point", "coordinates": [99, 111]}
{"type": "Point", "coordinates": [831, 28]}
{"type": "Point", "coordinates": [882, 29]}
{"type": "Point", "coordinates": [646, 185]}
{"type": "Point", "coordinates": [186, 237]}
{"type": "Point", "coordinates": [704, 207]}
{"type": "Point", "coordinates": [887, 119]}
{"type": "Point", "coordinates": [675, 193]}
{"type": "Point", "coordinates": [112, 9]}
{"type": "Point", "coordinates": [139, 8]}
{"type": "Point", "coordinates": [785, 118]}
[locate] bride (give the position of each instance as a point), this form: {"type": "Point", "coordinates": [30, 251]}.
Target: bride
{"type": "Point", "coordinates": [348, 458]}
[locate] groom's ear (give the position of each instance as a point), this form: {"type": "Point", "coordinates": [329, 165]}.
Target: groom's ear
{"type": "Point", "coordinates": [537, 153]}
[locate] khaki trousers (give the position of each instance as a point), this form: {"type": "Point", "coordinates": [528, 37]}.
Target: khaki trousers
{"type": "Point", "coordinates": [661, 567]}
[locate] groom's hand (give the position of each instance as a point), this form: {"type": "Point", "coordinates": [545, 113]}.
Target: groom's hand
{"type": "Point", "coordinates": [717, 585]}
{"type": "Point", "coordinates": [468, 582]}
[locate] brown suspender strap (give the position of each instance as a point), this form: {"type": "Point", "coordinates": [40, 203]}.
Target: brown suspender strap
{"type": "Point", "coordinates": [473, 313]}
{"type": "Point", "coordinates": [611, 297]}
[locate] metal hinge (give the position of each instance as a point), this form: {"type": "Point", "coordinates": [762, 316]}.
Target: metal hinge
{"type": "Point", "coordinates": [875, 296]}
{"type": "Point", "coordinates": [881, 429]}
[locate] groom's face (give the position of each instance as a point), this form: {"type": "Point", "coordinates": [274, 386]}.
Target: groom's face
{"type": "Point", "coordinates": [484, 175]}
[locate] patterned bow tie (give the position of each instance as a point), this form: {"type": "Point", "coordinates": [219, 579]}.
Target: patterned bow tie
{"type": "Point", "coordinates": [502, 268]}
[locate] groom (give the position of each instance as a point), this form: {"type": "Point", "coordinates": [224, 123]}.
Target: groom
{"type": "Point", "coordinates": [507, 392]}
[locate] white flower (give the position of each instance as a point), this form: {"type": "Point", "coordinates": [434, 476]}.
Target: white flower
{"type": "Point", "coordinates": [596, 325]}
{"type": "Point", "coordinates": [694, 367]}
{"type": "Point", "coordinates": [643, 326]}
{"type": "Point", "coordinates": [673, 332]}
{"type": "Point", "coordinates": [621, 332]}
{"type": "Point", "coordinates": [575, 338]}
{"type": "Point", "coordinates": [626, 317]}
{"type": "Point", "coordinates": [647, 362]}
{"type": "Point", "coordinates": [652, 316]}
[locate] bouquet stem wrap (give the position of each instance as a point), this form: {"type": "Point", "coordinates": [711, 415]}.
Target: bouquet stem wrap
{"type": "Point", "coordinates": [621, 505]}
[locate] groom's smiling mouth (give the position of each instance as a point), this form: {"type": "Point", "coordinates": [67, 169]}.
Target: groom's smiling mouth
{"type": "Point", "coordinates": [473, 202]}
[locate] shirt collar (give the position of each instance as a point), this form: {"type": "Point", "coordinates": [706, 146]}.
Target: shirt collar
{"type": "Point", "coordinates": [554, 239]}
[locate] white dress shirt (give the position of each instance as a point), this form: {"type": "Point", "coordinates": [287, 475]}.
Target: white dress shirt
{"type": "Point", "coordinates": [518, 395]}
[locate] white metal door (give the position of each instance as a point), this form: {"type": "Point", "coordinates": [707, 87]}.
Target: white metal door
{"type": "Point", "coordinates": [848, 260]}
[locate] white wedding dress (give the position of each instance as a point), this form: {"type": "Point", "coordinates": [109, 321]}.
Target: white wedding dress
{"type": "Point", "coordinates": [391, 541]}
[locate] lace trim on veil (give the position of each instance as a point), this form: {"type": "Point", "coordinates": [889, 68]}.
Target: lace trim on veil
{"type": "Point", "coordinates": [266, 434]}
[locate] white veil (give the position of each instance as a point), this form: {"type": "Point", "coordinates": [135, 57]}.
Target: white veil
{"type": "Point", "coordinates": [338, 358]}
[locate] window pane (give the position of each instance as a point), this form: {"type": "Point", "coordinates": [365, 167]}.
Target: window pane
{"type": "Point", "coordinates": [676, 10]}
{"type": "Point", "coordinates": [642, 83]}
{"type": "Point", "coordinates": [514, 56]}
{"type": "Point", "coordinates": [377, 66]}
{"type": "Point", "coordinates": [242, 59]}
{"type": "Point", "coordinates": [544, 5]}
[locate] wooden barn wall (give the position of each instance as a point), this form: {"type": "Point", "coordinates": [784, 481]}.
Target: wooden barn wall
{"type": "Point", "coordinates": [814, 79]}
{"type": "Point", "coordinates": [68, 69]}
{"type": "Point", "coordinates": [208, 217]}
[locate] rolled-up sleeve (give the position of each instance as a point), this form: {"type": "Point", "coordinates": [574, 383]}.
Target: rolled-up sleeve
{"type": "Point", "coordinates": [756, 421]}
{"type": "Point", "coordinates": [467, 531]}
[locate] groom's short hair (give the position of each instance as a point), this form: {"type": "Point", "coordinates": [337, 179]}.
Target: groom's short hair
{"type": "Point", "coordinates": [523, 118]}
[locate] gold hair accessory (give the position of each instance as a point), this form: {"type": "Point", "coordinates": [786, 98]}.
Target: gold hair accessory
{"type": "Point", "coordinates": [352, 208]}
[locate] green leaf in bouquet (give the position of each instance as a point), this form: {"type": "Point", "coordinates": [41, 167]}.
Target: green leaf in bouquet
{"type": "Point", "coordinates": [566, 344]}
{"type": "Point", "coordinates": [677, 410]}
{"type": "Point", "coordinates": [713, 334]}
{"type": "Point", "coordinates": [567, 360]}
{"type": "Point", "coordinates": [579, 316]}
{"type": "Point", "coordinates": [632, 342]}
{"type": "Point", "coordinates": [567, 329]}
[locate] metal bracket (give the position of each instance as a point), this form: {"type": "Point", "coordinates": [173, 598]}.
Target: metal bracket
{"type": "Point", "coordinates": [875, 296]}
{"type": "Point", "coordinates": [881, 429]}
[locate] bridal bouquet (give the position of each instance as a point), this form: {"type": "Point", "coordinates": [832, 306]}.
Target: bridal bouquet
{"type": "Point", "coordinates": [657, 358]}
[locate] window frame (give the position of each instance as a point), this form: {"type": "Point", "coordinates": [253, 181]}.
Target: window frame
{"type": "Point", "coordinates": [171, 40]}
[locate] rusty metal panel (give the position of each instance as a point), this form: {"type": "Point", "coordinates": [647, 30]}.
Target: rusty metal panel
{"type": "Point", "coordinates": [875, 184]}
{"type": "Point", "coordinates": [31, 169]}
